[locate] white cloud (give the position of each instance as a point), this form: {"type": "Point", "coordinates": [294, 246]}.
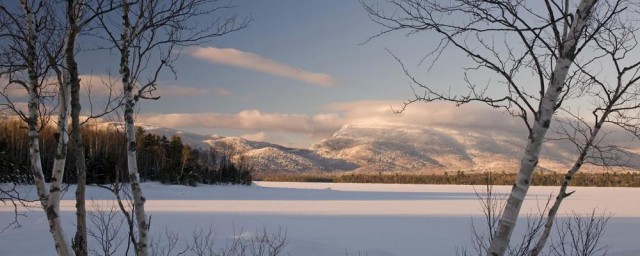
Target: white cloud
{"type": "Point", "coordinates": [103, 85]}
{"type": "Point", "coordinates": [18, 106]}
{"type": "Point", "coordinates": [472, 116]}
{"type": "Point", "coordinates": [251, 120]}
{"type": "Point", "coordinates": [180, 90]}
{"type": "Point", "coordinates": [302, 130]}
{"type": "Point", "coordinates": [251, 61]}
{"type": "Point", "coordinates": [100, 85]}
{"type": "Point", "coordinates": [259, 136]}
{"type": "Point", "coordinates": [258, 125]}
{"type": "Point", "coordinates": [96, 84]}
{"type": "Point", "coordinates": [13, 90]}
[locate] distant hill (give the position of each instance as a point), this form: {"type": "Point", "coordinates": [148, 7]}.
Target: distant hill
{"type": "Point", "coordinates": [263, 156]}
{"type": "Point", "coordinates": [396, 148]}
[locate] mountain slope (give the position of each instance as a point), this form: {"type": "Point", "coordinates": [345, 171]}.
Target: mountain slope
{"type": "Point", "coordinates": [394, 148]}
{"type": "Point", "coordinates": [381, 148]}
{"type": "Point", "coordinates": [263, 156]}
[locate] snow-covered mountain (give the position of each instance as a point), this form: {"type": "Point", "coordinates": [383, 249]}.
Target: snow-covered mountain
{"type": "Point", "coordinates": [395, 148]}
{"type": "Point", "coordinates": [427, 149]}
{"type": "Point", "coordinates": [263, 156]}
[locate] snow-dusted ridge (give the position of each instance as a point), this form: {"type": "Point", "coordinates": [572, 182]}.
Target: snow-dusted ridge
{"type": "Point", "coordinates": [392, 148]}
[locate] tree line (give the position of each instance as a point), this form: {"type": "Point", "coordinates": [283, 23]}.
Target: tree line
{"type": "Point", "coordinates": [605, 179]}
{"type": "Point", "coordinates": [162, 159]}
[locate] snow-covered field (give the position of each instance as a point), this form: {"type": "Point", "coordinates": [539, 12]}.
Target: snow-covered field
{"type": "Point", "coordinates": [330, 219]}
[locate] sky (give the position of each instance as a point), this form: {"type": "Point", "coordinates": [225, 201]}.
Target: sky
{"type": "Point", "coordinates": [301, 70]}
{"type": "Point", "coordinates": [296, 74]}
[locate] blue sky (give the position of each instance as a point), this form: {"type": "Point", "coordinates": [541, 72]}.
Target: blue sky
{"type": "Point", "coordinates": [298, 73]}
{"type": "Point", "coordinates": [302, 70]}
{"type": "Point", "coordinates": [316, 36]}
{"type": "Point", "coordinates": [295, 75]}
{"type": "Point", "coordinates": [358, 82]}
{"type": "Point", "coordinates": [319, 40]}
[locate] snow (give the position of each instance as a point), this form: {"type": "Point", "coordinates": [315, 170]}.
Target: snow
{"type": "Point", "coordinates": [409, 148]}
{"type": "Point", "coordinates": [329, 219]}
{"type": "Point", "coordinates": [394, 148]}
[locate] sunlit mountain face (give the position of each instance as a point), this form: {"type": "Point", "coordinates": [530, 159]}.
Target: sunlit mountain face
{"type": "Point", "coordinates": [398, 148]}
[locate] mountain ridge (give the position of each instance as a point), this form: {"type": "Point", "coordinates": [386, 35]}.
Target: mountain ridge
{"type": "Point", "coordinates": [394, 148]}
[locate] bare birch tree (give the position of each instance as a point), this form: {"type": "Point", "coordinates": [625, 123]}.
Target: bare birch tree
{"type": "Point", "coordinates": [615, 100]}
{"type": "Point", "coordinates": [532, 47]}
{"type": "Point", "coordinates": [147, 35]}
{"type": "Point", "coordinates": [73, 15]}
{"type": "Point", "coordinates": [76, 21]}
{"type": "Point", "coordinates": [61, 69]}
{"type": "Point", "coordinates": [30, 53]}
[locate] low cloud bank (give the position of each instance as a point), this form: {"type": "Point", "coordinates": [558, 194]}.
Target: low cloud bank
{"type": "Point", "coordinates": [258, 125]}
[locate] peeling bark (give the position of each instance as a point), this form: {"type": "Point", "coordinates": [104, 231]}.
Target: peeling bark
{"type": "Point", "coordinates": [553, 211]}
{"type": "Point", "coordinates": [61, 148]}
{"type": "Point", "coordinates": [50, 205]}
{"type": "Point", "coordinates": [545, 113]}
{"type": "Point", "coordinates": [142, 246]}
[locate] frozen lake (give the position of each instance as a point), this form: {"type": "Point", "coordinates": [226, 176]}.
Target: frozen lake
{"type": "Point", "coordinates": [329, 219]}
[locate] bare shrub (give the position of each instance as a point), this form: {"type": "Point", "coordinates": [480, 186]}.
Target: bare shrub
{"type": "Point", "coordinates": [260, 243]}
{"type": "Point", "coordinates": [125, 206]}
{"type": "Point", "coordinates": [267, 244]}
{"type": "Point", "coordinates": [9, 195]}
{"type": "Point", "coordinates": [167, 244]}
{"type": "Point", "coordinates": [105, 225]}
{"type": "Point", "coordinates": [491, 205]}
{"type": "Point", "coordinates": [203, 243]}
{"type": "Point", "coordinates": [580, 235]}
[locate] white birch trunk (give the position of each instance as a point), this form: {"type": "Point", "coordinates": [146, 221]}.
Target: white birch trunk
{"type": "Point", "coordinates": [553, 211]}
{"type": "Point", "coordinates": [529, 161]}
{"type": "Point", "coordinates": [142, 246]}
{"type": "Point", "coordinates": [134, 179]}
{"type": "Point", "coordinates": [50, 206]}
{"type": "Point", "coordinates": [61, 148]}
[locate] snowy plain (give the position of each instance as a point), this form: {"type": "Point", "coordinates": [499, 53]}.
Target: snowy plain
{"type": "Point", "coordinates": [326, 219]}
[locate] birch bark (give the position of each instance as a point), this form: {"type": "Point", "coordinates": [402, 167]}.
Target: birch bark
{"type": "Point", "coordinates": [613, 110]}
{"type": "Point", "coordinates": [541, 124]}
{"type": "Point", "coordinates": [553, 211]}
{"type": "Point", "coordinates": [132, 161]}
{"type": "Point", "coordinates": [50, 204]}
{"type": "Point", "coordinates": [61, 147]}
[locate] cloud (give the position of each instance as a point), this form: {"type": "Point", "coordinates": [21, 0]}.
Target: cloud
{"type": "Point", "coordinates": [246, 60]}
{"type": "Point", "coordinates": [179, 90]}
{"type": "Point", "coordinates": [5, 110]}
{"type": "Point", "coordinates": [96, 84]}
{"type": "Point", "coordinates": [471, 116]}
{"type": "Point", "coordinates": [13, 90]}
{"type": "Point", "coordinates": [257, 124]}
{"type": "Point", "coordinates": [100, 85]}
{"type": "Point", "coordinates": [259, 136]}
{"type": "Point", "coordinates": [302, 130]}
{"type": "Point", "coordinates": [283, 128]}
{"type": "Point", "coordinates": [250, 120]}
{"type": "Point", "coordinates": [103, 85]}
